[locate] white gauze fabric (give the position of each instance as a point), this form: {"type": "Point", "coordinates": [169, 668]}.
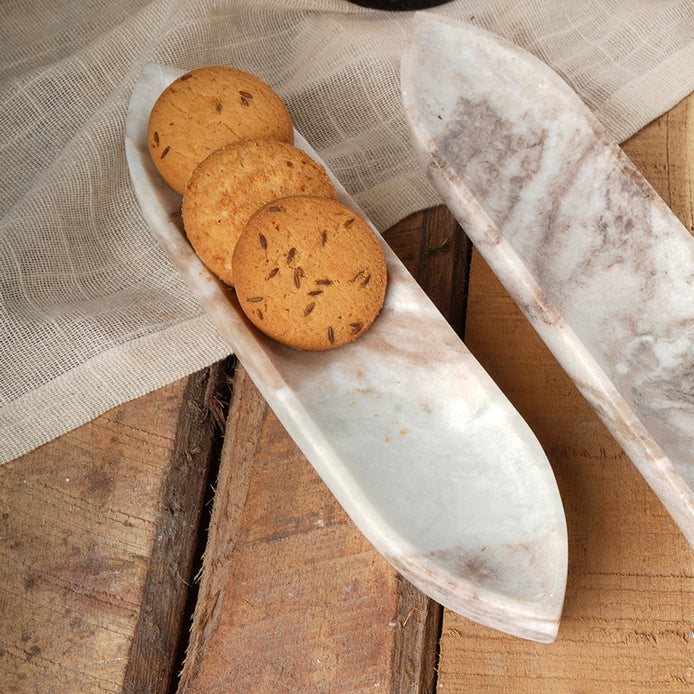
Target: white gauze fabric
{"type": "Point", "coordinates": [91, 313]}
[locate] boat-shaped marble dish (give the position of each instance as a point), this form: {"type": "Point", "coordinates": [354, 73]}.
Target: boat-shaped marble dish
{"type": "Point", "coordinates": [410, 434]}
{"type": "Point", "coordinates": [597, 261]}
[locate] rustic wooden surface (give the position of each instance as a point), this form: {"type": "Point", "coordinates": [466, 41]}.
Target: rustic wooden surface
{"type": "Point", "coordinates": [100, 532]}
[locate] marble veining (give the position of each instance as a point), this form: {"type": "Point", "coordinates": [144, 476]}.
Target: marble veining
{"type": "Point", "coordinates": [599, 263]}
{"type": "Point", "coordinates": [408, 431]}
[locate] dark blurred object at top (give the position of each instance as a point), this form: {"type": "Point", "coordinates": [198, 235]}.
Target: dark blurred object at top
{"type": "Point", "coordinates": [399, 5]}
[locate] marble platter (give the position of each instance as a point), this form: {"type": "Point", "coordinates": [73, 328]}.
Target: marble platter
{"type": "Point", "coordinates": [407, 430]}
{"type": "Point", "coordinates": [599, 264]}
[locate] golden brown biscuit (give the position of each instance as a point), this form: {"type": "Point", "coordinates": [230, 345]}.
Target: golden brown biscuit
{"type": "Point", "coordinates": [207, 108]}
{"type": "Point", "coordinates": [229, 185]}
{"type": "Point", "coordinates": [309, 272]}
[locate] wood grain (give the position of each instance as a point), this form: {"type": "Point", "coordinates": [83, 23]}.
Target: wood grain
{"type": "Point", "coordinates": [154, 656]}
{"type": "Point", "coordinates": [93, 555]}
{"type": "Point", "coordinates": [628, 620]}
{"type": "Point", "coordinates": [291, 597]}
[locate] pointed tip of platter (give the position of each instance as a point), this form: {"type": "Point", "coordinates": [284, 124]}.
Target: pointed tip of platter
{"type": "Point", "coordinates": [517, 589]}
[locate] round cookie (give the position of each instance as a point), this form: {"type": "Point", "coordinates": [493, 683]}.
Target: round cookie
{"type": "Point", "coordinates": [309, 272]}
{"type": "Point", "coordinates": [207, 108]}
{"type": "Point", "coordinates": [229, 185]}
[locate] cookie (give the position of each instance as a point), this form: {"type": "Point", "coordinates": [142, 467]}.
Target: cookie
{"type": "Point", "coordinates": [208, 108]}
{"type": "Point", "coordinates": [309, 272]}
{"type": "Point", "coordinates": [229, 185]}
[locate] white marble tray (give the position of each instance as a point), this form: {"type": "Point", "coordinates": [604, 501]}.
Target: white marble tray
{"type": "Point", "coordinates": [596, 260]}
{"type": "Point", "coordinates": [407, 430]}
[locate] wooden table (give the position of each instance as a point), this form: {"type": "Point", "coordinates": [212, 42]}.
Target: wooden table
{"type": "Point", "coordinates": [187, 519]}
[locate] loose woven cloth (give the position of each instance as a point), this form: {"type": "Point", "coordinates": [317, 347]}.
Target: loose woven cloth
{"type": "Point", "coordinates": [91, 312]}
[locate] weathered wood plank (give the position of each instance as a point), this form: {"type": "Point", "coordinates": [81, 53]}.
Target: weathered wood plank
{"type": "Point", "coordinates": [627, 623]}
{"type": "Point", "coordinates": [154, 656]}
{"type": "Point", "coordinates": [437, 254]}
{"type": "Point", "coordinates": [84, 529]}
{"type": "Point", "coordinates": [291, 598]}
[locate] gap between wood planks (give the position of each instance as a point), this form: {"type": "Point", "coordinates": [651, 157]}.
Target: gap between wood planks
{"type": "Point", "coordinates": [160, 638]}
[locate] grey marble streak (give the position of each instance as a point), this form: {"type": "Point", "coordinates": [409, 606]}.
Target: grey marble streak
{"type": "Point", "coordinates": [610, 259]}
{"type": "Point", "coordinates": [609, 254]}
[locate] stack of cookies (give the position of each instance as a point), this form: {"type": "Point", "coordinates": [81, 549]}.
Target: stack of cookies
{"type": "Point", "coordinates": [263, 215]}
